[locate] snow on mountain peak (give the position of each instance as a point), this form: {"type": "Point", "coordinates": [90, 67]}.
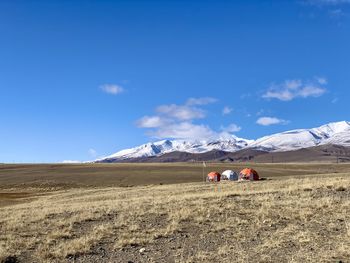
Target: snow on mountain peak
{"type": "Point", "coordinates": [334, 127]}
{"type": "Point", "coordinates": [192, 146]}
{"type": "Point", "coordinates": [332, 133]}
{"type": "Point", "coordinates": [304, 138]}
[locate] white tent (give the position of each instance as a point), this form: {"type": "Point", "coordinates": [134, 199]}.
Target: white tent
{"type": "Point", "coordinates": [229, 175]}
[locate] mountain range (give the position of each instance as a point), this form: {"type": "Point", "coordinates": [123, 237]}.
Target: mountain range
{"type": "Point", "coordinates": [330, 140]}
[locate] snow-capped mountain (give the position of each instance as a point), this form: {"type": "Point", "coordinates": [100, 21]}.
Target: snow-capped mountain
{"type": "Point", "coordinates": [229, 144]}
{"type": "Point", "coordinates": [332, 133]}
{"type": "Point", "coordinates": [337, 133]}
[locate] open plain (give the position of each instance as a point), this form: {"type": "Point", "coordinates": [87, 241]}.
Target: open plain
{"type": "Point", "coordinates": [165, 213]}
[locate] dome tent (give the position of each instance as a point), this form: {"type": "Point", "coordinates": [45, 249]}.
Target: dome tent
{"type": "Point", "coordinates": [229, 175]}
{"type": "Point", "coordinates": [249, 174]}
{"type": "Point", "coordinates": [213, 177]}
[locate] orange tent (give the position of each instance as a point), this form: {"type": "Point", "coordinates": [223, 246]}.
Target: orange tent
{"type": "Point", "coordinates": [248, 174]}
{"type": "Point", "coordinates": [213, 177]}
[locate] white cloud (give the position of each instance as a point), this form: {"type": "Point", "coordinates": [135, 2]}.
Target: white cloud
{"type": "Point", "coordinates": [231, 128]}
{"type": "Point", "coordinates": [226, 110]}
{"type": "Point", "coordinates": [181, 112]}
{"type": "Point", "coordinates": [92, 152]}
{"type": "Point", "coordinates": [311, 91]}
{"type": "Point", "coordinates": [177, 121]}
{"type": "Point", "coordinates": [291, 89]}
{"type": "Point", "coordinates": [151, 122]}
{"type": "Point", "coordinates": [200, 101]}
{"type": "Point", "coordinates": [184, 130]}
{"type": "Point", "coordinates": [112, 89]}
{"type": "Point", "coordinates": [266, 121]}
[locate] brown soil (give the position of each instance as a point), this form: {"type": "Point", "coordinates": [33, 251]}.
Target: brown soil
{"type": "Point", "coordinates": [51, 177]}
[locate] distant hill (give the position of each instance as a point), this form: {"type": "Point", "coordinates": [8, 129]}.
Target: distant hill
{"type": "Point", "coordinates": [323, 153]}
{"type": "Point", "coordinates": [330, 142]}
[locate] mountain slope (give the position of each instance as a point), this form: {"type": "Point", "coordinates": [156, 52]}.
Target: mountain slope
{"type": "Point", "coordinates": [333, 133]}
{"type": "Point", "coordinates": [230, 144]}
{"type": "Point", "coordinates": [337, 133]}
{"type": "Point", "coordinates": [321, 153]}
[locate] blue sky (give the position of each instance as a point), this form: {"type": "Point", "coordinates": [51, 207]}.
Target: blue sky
{"type": "Point", "coordinates": [82, 79]}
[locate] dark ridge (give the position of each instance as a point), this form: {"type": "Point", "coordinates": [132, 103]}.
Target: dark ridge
{"type": "Point", "coordinates": [322, 153]}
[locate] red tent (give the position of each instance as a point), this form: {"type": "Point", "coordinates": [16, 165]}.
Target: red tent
{"type": "Point", "coordinates": [248, 174]}
{"type": "Point", "coordinates": [213, 177]}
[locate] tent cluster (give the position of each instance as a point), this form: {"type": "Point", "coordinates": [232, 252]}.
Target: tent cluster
{"type": "Point", "coordinates": [246, 174]}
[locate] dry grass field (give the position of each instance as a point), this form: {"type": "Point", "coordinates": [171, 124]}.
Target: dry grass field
{"type": "Point", "coordinates": [85, 213]}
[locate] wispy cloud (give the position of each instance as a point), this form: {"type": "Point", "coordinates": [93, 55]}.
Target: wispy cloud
{"type": "Point", "coordinates": [336, 13]}
{"type": "Point", "coordinates": [321, 80]}
{"type": "Point", "coordinates": [296, 88]}
{"type": "Point", "coordinates": [92, 152]}
{"type": "Point", "coordinates": [327, 2]}
{"type": "Point", "coordinates": [245, 96]}
{"type": "Point", "coordinates": [267, 121]}
{"type": "Point", "coordinates": [336, 10]}
{"type": "Point", "coordinates": [231, 128]}
{"type": "Point", "coordinates": [226, 110]}
{"type": "Point", "coordinates": [113, 89]}
{"type": "Point", "coordinates": [151, 122]}
{"type": "Point", "coordinates": [260, 112]}
{"type": "Point", "coordinates": [335, 100]}
{"type": "Point", "coordinates": [200, 101]}
{"type": "Point", "coordinates": [181, 112]}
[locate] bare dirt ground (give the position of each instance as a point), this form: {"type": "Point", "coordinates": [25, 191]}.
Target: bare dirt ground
{"type": "Point", "coordinates": [67, 176]}
{"type": "Point", "coordinates": [297, 215]}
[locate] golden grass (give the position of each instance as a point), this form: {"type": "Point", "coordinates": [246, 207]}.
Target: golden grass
{"type": "Point", "coordinates": [291, 220]}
